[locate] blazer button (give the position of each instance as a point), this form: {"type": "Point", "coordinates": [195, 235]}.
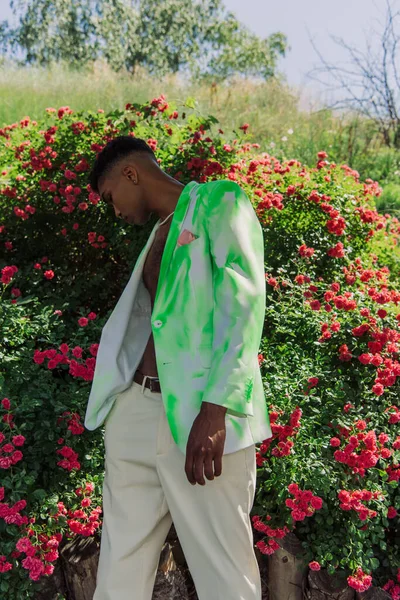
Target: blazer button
{"type": "Point", "coordinates": [157, 323]}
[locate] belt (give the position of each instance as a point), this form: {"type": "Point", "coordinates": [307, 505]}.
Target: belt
{"type": "Point", "coordinates": [153, 383]}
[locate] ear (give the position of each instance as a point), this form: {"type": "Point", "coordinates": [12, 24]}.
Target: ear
{"type": "Point", "coordinates": [131, 173]}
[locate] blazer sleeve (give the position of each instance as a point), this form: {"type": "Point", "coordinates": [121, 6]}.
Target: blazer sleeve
{"type": "Point", "coordinates": [236, 245]}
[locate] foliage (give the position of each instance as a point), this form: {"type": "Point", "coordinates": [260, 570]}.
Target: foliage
{"type": "Point", "coordinates": [329, 353]}
{"type": "Point", "coordinates": [163, 36]}
{"type": "Point", "coordinates": [276, 120]}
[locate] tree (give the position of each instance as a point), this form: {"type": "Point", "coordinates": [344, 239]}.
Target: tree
{"type": "Point", "coordinates": [163, 36]}
{"type": "Point", "coordinates": [235, 50]}
{"type": "Point", "coordinates": [55, 30]}
{"type": "Point", "coordinates": [4, 36]}
{"type": "Point", "coordinates": [372, 82]}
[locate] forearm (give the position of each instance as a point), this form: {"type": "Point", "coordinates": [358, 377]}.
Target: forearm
{"type": "Point", "coordinates": [212, 410]}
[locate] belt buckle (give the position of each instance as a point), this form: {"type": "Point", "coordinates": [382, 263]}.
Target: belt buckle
{"type": "Point", "coordinates": [151, 383]}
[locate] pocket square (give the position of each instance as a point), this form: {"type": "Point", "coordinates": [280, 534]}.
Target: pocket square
{"type": "Point", "coordinates": [186, 237]}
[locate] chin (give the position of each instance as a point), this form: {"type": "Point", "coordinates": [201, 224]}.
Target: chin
{"type": "Point", "coordinates": [145, 219]}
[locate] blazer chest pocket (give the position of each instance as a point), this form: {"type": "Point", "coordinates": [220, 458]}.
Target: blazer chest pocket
{"type": "Point", "coordinates": [190, 245]}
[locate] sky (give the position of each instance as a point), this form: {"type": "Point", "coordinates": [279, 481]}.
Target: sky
{"type": "Point", "coordinates": [355, 21]}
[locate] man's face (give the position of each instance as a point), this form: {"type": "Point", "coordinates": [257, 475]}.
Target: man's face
{"type": "Point", "coordinates": [117, 189]}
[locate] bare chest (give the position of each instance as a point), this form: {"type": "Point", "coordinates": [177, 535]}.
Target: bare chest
{"type": "Point", "coordinates": [151, 268]}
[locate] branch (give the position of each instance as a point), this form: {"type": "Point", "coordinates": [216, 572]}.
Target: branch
{"type": "Point", "coordinates": [366, 79]}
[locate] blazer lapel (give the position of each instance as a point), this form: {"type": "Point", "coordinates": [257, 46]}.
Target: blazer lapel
{"type": "Point", "coordinates": [120, 315]}
{"type": "Point", "coordinates": [173, 233]}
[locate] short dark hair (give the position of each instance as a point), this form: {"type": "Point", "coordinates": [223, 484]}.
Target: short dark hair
{"type": "Point", "coordinates": [112, 152]}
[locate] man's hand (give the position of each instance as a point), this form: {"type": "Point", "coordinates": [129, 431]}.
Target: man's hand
{"type": "Point", "coordinates": [206, 444]}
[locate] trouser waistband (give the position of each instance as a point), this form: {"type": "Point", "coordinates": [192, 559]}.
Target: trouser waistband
{"type": "Point", "coordinates": [152, 383]}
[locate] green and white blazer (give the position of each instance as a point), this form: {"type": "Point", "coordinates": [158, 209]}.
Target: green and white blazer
{"type": "Point", "coordinates": [207, 319]}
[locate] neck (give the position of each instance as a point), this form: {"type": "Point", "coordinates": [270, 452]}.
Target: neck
{"type": "Point", "coordinates": [164, 196]}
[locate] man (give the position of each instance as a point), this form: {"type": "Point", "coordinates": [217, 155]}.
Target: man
{"type": "Point", "coordinates": [177, 382]}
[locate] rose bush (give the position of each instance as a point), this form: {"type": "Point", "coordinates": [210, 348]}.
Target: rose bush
{"type": "Point", "coordinates": [329, 353]}
{"type": "Point", "coordinates": [330, 359]}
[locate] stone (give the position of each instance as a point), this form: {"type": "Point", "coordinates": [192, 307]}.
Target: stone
{"type": "Point", "coordinates": [287, 570]}
{"type": "Point", "coordinates": [170, 582]}
{"type": "Point", "coordinates": [323, 586]}
{"type": "Point", "coordinates": [373, 593]}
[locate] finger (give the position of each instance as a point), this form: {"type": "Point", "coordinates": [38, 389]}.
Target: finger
{"type": "Point", "coordinates": [217, 465]}
{"type": "Point", "coordinates": [189, 465]}
{"type": "Point", "coordinates": [208, 464]}
{"type": "Point", "coordinates": [198, 467]}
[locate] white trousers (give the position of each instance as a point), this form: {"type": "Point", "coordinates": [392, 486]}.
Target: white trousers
{"type": "Point", "coordinates": [146, 489]}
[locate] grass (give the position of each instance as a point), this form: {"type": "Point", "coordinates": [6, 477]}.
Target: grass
{"type": "Point", "coordinates": [271, 108]}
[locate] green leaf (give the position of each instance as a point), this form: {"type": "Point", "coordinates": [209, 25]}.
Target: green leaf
{"type": "Point", "coordinates": [40, 494]}
{"type": "Point", "coordinates": [190, 102]}
{"type": "Point", "coordinates": [26, 300]}
{"type": "Point", "coordinates": [374, 562]}
{"type": "Point", "coordinates": [331, 570]}
{"type": "Point", "coordinates": [383, 474]}
{"type": "Point", "coordinates": [11, 529]}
